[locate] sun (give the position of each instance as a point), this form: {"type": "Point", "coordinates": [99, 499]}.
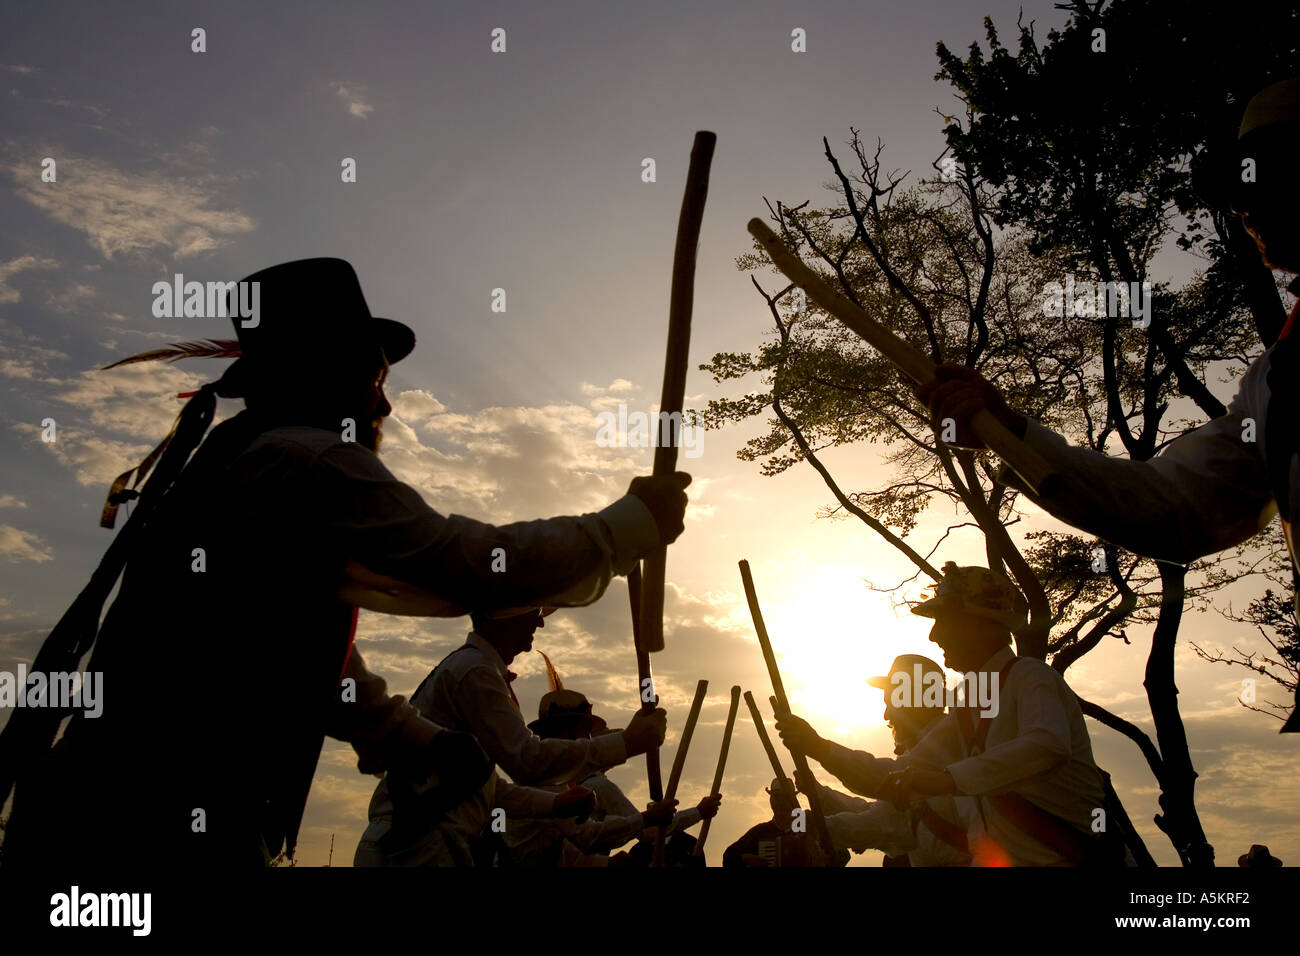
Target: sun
{"type": "Point", "coordinates": [830, 633]}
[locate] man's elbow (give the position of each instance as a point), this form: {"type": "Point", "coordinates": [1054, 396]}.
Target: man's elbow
{"type": "Point", "coordinates": [1050, 750]}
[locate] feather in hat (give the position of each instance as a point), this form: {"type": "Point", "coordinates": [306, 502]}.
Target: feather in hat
{"type": "Point", "coordinates": [208, 348]}
{"type": "Point", "coordinates": [552, 675]}
{"type": "Point", "coordinates": [118, 493]}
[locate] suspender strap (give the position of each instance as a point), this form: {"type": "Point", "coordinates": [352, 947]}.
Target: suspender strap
{"type": "Point", "coordinates": [947, 831]}
{"type": "Point", "coordinates": [975, 731]}
{"type": "Point", "coordinates": [1047, 828]}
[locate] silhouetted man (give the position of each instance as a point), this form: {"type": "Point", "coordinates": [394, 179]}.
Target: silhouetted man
{"type": "Point", "coordinates": [566, 714]}
{"type": "Point", "coordinates": [224, 651]}
{"type": "Point", "coordinates": [470, 691]}
{"type": "Point", "coordinates": [931, 832]}
{"type": "Point", "coordinates": [778, 842]}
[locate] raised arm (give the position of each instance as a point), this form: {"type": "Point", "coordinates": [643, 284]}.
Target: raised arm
{"type": "Point", "coordinates": [414, 560]}
{"type": "Point", "coordinates": [1206, 491]}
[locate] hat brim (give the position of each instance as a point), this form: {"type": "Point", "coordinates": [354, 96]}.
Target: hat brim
{"type": "Point", "coordinates": [397, 339]}
{"type": "Point", "coordinates": [880, 683]}
{"type": "Point", "coordinates": [945, 603]}
{"type": "Point", "coordinates": [936, 606]}
{"type": "Point", "coordinates": [576, 723]}
{"type": "Point", "coordinates": [505, 613]}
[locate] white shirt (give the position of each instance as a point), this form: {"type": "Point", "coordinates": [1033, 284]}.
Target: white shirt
{"type": "Point", "coordinates": [612, 801]}
{"type": "Point", "coordinates": [469, 692]}
{"type": "Point", "coordinates": [860, 824]}
{"type": "Point", "coordinates": [1037, 746]}
{"type": "Point", "coordinates": [1206, 491]}
{"type": "Point", "coordinates": [532, 840]}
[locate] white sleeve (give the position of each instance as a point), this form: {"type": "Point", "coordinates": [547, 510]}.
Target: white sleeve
{"type": "Point", "coordinates": [1206, 491]}
{"type": "Point", "coordinates": [835, 802]}
{"type": "Point", "coordinates": [880, 827]}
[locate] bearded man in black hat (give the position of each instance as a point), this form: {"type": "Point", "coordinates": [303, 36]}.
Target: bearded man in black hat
{"type": "Point", "coordinates": [244, 569]}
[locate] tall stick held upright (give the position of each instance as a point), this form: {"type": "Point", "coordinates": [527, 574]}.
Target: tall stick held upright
{"type": "Point", "coordinates": [722, 765]}
{"type": "Point", "coordinates": [673, 396]}
{"type": "Point", "coordinates": [783, 703]}
{"type": "Point", "coordinates": [645, 683]}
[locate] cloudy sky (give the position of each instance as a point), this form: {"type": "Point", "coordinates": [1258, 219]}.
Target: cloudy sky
{"type": "Point", "coordinates": [520, 171]}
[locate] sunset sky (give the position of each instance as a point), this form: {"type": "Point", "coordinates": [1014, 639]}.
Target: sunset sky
{"type": "Point", "coordinates": [520, 171]}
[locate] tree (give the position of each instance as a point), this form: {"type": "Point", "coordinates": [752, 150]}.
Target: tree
{"type": "Point", "coordinates": [1272, 614]}
{"type": "Point", "coordinates": [1088, 145]}
{"type": "Point", "coordinates": [926, 262]}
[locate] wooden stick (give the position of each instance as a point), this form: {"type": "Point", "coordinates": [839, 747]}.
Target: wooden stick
{"type": "Point", "coordinates": [1026, 462]}
{"type": "Point", "coordinates": [679, 761]}
{"type": "Point", "coordinates": [777, 769]}
{"type": "Point", "coordinates": [654, 771]}
{"type": "Point", "coordinates": [645, 681]}
{"type": "Point", "coordinates": [783, 706]}
{"type": "Point", "coordinates": [680, 303]}
{"type": "Point", "coordinates": [722, 764]}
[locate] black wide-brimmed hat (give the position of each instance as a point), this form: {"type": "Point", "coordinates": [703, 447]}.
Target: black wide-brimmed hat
{"type": "Point", "coordinates": [308, 309]}
{"type": "Point", "coordinates": [562, 711]}
{"type": "Point", "coordinates": [1258, 856]}
{"type": "Point", "coordinates": [302, 321]}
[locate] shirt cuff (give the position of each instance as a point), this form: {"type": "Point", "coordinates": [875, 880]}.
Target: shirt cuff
{"type": "Point", "coordinates": [967, 775]}
{"type": "Point", "coordinates": [633, 530]}
{"type": "Point", "coordinates": [685, 819]}
{"type": "Point", "coordinates": [541, 803]}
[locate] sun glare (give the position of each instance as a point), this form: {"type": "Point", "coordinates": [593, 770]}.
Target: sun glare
{"type": "Point", "coordinates": [830, 634]}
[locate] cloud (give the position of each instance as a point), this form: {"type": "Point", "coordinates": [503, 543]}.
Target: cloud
{"type": "Point", "coordinates": [17, 545]}
{"type": "Point", "coordinates": [19, 646]}
{"type": "Point", "coordinates": [133, 402]}
{"type": "Point", "coordinates": [18, 68]}
{"type": "Point", "coordinates": [354, 98]}
{"type": "Point", "coordinates": [618, 385]}
{"type": "Point", "coordinates": [11, 368]}
{"type": "Point", "coordinates": [95, 461]}
{"type": "Point", "coordinates": [9, 501]}
{"type": "Point", "coordinates": [21, 359]}
{"type": "Point", "coordinates": [138, 400]}
{"type": "Point", "coordinates": [504, 464]}
{"type": "Point", "coordinates": [10, 295]}
{"type": "Point", "coordinates": [131, 212]}
{"type": "Point", "coordinates": [71, 298]}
